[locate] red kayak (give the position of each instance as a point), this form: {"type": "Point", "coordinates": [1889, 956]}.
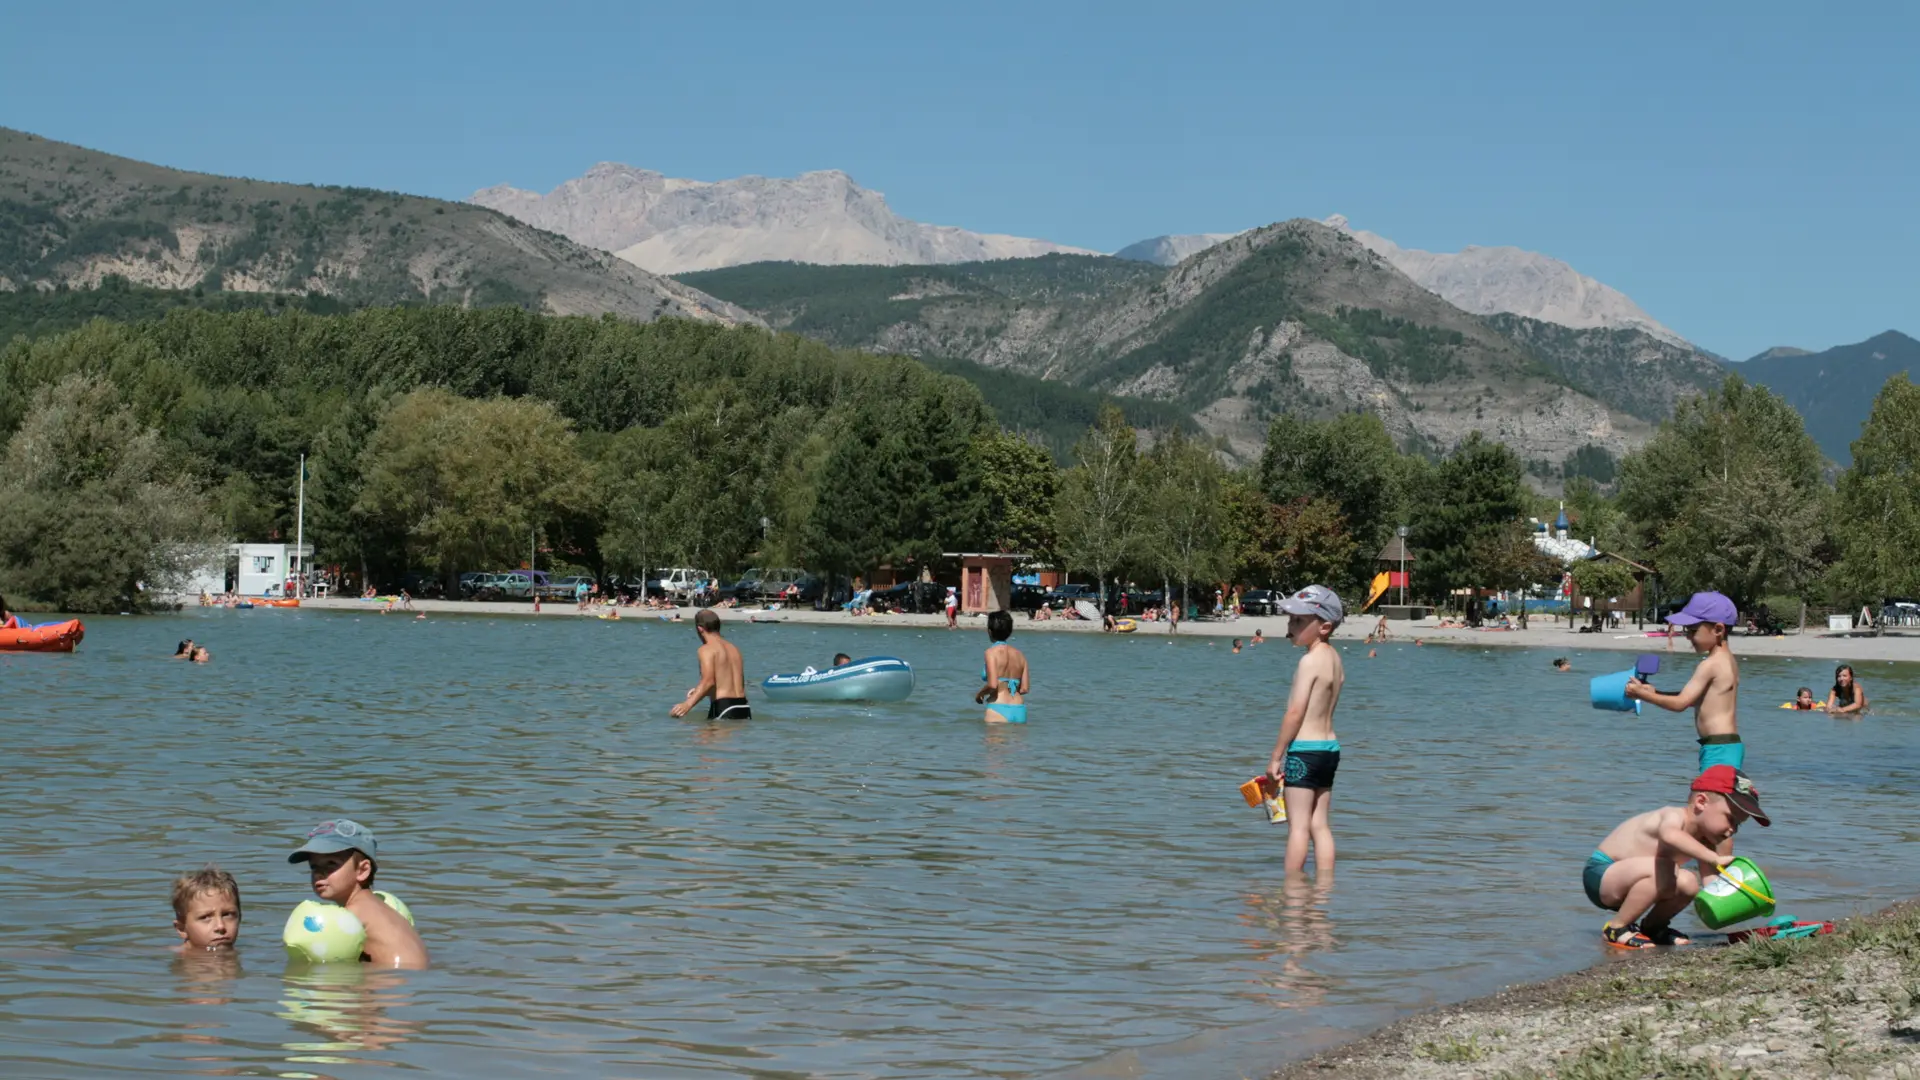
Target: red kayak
{"type": "Point", "coordinates": [47, 637]}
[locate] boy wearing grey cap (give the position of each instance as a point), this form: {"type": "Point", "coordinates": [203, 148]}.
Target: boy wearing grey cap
{"type": "Point", "coordinates": [1308, 753]}
{"type": "Point", "coordinates": [341, 858]}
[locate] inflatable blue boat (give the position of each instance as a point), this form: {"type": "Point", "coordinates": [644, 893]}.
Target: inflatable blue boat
{"type": "Point", "coordinates": [877, 678]}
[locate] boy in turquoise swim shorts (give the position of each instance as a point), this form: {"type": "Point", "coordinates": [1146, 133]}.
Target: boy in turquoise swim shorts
{"type": "Point", "coordinates": [1713, 692]}
{"type": "Point", "coordinates": [1637, 872]}
{"type": "Point", "coordinates": [1308, 752]}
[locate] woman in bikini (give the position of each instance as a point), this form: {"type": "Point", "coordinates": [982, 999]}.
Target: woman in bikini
{"type": "Point", "coordinates": [1847, 698]}
{"type": "Point", "coordinates": [1004, 673]}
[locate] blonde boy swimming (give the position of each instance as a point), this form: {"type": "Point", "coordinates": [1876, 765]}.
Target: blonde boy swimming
{"type": "Point", "coordinates": [206, 910]}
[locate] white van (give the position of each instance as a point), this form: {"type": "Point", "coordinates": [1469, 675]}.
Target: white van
{"type": "Point", "coordinates": [680, 583]}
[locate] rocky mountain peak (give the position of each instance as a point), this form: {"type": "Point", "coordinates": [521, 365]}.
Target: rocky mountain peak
{"type": "Point", "coordinates": [670, 225]}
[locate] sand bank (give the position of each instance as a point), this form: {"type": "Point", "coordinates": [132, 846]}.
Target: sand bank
{"type": "Point", "coordinates": [1842, 1005]}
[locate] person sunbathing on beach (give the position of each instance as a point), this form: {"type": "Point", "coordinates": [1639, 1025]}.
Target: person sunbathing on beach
{"type": "Point", "coordinates": [1636, 871]}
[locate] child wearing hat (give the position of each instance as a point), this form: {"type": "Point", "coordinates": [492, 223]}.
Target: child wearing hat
{"type": "Point", "coordinates": [1636, 871]}
{"type": "Point", "coordinates": [1714, 690]}
{"type": "Point", "coordinates": [341, 858]}
{"type": "Point", "coordinates": [1308, 752]}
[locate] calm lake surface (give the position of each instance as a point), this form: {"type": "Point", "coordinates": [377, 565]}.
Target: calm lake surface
{"type": "Point", "coordinates": [839, 892]}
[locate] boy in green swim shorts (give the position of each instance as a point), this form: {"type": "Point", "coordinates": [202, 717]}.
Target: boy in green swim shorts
{"type": "Point", "coordinates": [1713, 692]}
{"type": "Point", "coordinates": [1637, 872]}
{"type": "Point", "coordinates": [1308, 752]}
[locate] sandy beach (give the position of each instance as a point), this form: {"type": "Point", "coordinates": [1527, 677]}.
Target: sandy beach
{"type": "Point", "coordinates": [1543, 633]}
{"type": "Point", "coordinates": [1840, 1005]}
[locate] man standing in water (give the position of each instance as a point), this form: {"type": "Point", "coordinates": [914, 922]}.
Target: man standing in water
{"type": "Point", "coordinates": [722, 674]}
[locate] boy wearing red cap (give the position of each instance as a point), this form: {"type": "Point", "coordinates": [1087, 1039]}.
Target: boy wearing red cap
{"type": "Point", "coordinates": [1636, 870]}
{"type": "Point", "coordinates": [1713, 692]}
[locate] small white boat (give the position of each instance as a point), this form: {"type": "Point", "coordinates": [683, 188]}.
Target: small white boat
{"type": "Point", "coordinates": [877, 678]}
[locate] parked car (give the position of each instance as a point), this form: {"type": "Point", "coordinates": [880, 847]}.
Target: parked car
{"type": "Point", "coordinates": [1064, 596]}
{"type": "Point", "coordinates": [1261, 602]}
{"type": "Point", "coordinates": [774, 584]}
{"type": "Point", "coordinates": [917, 597]}
{"type": "Point", "coordinates": [1027, 598]}
{"type": "Point", "coordinates": [567, 588]}
{"type": "Point", "coordinates": [522, 584]}
{"type": "Point", "coordinates": [1136, 601]}
{"type": "Point", "coordinates": [681, 583]}
{"type": "Point", "coordinates": [747, 586]}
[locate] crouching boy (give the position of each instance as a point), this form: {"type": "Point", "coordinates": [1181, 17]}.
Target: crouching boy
{"type": "Point", "coordinates": [1637, 869]}
{"type": "Point", "coordinates": [341, 857]}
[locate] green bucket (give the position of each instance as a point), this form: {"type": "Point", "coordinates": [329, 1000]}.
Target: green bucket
{"type": "Point", "coordinates": [1741, 892]}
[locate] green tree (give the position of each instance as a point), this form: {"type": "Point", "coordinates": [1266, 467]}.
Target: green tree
{"type": "Point", "coordinates": [1020, 482]}
{"type": "Point", "coordinates": [1350, 460]}
{"type": "Point", "coordinates": [1877, 515]}
{"type": "Point", "coordinates": [1183, 533]}
{"type": "Point", "coordinates": [469, 482]}
{"type": "Point", "coordinates": [1728, 496]}
{"type": "Point", "coordinates": [1097, 516]}
{"type": "Point", "coordinates": [1506, 558]}
{"type": "Point", "coordinates": [1478, 491]}
{"type": "Point", "coordinates": [1602, 579]}
{"type": "Point", "coordinates": [97, 518]}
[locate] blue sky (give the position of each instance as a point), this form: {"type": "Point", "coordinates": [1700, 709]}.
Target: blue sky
{"type": "Point", "coordinates": [1747, 173]}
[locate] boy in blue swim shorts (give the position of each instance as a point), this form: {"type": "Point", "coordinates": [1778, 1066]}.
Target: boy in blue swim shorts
{"type": "Point", "coordinates": [1638, 869]}
{"type": "Point", "coordinates": [1308, 752]}
{"type": "Point", "coordinates": [1713, 692]}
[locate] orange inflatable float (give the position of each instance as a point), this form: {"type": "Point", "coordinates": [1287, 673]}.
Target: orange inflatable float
{"type": "Point", "coordinates": [47, 637]}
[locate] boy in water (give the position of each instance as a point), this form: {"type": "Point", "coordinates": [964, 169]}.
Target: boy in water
{"type": "Point", "coordinates": [1637, 872]}
{"type": "Point", "coordinates": [722, 674]}
{"type": "Point", "coordinates": [206, 910]}
{"type": "Point", "coordinates": [1713, 691]}
{"type": "Point", "coordinates": [341, 859]}
{"type": "Point", "coordinates": [1308, 753]}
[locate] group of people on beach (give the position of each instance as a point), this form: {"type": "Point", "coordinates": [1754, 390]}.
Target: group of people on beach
{"type": "Point", "coordinates": [342, 858]}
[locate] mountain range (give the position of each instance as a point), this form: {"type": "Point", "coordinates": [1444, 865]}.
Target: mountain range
{"type": "Point", "coordinates": [73, 217]}
{"type": "Point", "coordinates": [1298, 316]}
{"type": "Point", "coordinates": [1480, 280]}
{"type": "Point", "coordinates": [674, 226]}
{"type": "Point", "coordinates": [1834, 389]}
{"type": "Point", "coordinates": [670, 226]}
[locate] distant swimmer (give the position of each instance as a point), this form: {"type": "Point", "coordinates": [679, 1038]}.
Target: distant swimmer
{"type": "Point", "coordinates": [184, 651]}
{"type": "Point", "coordinates": [841, 659]}
{"type": "Point", "coordinates": [201, 655]}
{"type": "Point", "coordinates": [1236, 645]}
{"type": "Point", "coordinates": [1847, 698]}
{"type": "Point", "coordinates": [1804, 700]}
{"type": "Point", "coordinates": [1004, 673]}
{"type": "Point", "coordinates": [1258, 637]}
{"type": "Point", "coordinates": [1561, 663]}
{"type": "Point", "coordinates": [723, 676]}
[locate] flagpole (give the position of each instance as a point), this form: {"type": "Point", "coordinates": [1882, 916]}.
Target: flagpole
{"type": "Point", "coordinates": [300, 534]}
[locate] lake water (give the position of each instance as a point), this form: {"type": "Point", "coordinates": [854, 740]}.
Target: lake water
{"type": "Point", "coordinates": [838, 892]}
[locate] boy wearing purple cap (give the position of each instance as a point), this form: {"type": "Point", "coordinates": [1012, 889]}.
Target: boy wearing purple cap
{"type": "Point", "coordinates": [1308, 752]}
{"type": "Point", "coordinates": [1714, 689]}
{"type": "Point", "coordinates": [1713, 692]}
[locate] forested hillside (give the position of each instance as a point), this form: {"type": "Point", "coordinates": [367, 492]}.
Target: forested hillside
{"type": "Point", "coordinates": [73, 216]}
{"type": "Point", "coordinates": [1293, 318]}
{"type": "Point", "coordinates": [439, 437]}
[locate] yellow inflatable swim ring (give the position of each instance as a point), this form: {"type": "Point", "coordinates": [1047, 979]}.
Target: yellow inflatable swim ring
{"type": "Point", "coordinates": [1125, 626]}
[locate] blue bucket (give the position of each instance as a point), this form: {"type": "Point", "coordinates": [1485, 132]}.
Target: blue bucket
{"type": "Point", "coordinates": [1609, 692]}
